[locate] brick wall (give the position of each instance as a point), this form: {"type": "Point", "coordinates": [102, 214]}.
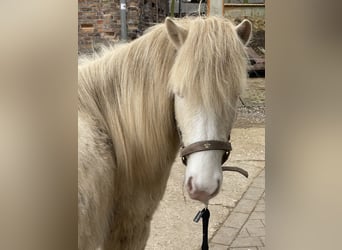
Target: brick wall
{"type": "Point", "coordinates": [99, 20]}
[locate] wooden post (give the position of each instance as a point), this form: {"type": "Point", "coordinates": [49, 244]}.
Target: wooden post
{"type": "Point", "coordinates": [216, 8]}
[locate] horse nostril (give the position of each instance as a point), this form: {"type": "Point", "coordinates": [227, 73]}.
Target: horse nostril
{"type": "Point", "coordinates": [189, 184]}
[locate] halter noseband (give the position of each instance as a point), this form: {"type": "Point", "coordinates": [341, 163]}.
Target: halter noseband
{"type": "Point", "coordinates": [209, 145]}
{"type": "Point", "coordinates": [206, 146]}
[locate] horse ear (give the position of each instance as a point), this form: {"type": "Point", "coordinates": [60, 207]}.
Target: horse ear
{"type": "Point", "coordinates": [176, 33]}
{"type": "Point", "coordinates": [244, 31]}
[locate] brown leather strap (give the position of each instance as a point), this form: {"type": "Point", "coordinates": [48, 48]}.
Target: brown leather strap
{"type": "Point", "coordinates": [204, 146]}
{"type": "Point", "coordinates": [212, 145]}
{"type": "Point", "coordinates": [235, 169]}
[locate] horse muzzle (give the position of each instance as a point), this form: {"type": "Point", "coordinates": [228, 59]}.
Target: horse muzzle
{"type": "Point", "coordinates": [201, 193]}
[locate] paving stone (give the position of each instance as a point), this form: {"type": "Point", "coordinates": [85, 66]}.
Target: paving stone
{"type": "Point", "coordinates": [247, 242]}
{"type": "Point", "coordinates": [260, 208]}
{"type": "Point", "coordinates": [258, 215]}
{"type": "Point", "coordinates": [244, 232]}
{"type": "Point", "coordinates": [254, 223]}
{"type": "Point", "coordinates": [213, 246]}
{"type": "Point", "coordinates": [262, 201]}
{"type": "Point", "coordinates": [259, 182]}
{"type": "Point", "coordinates": [256, 231]}
{"type": "Point", "coordinates": [245, 227]}
{"type": "Point", "coordinates": [243, 248]}
{"type": "Point", "coordinates": [263, 239]}
{"type": "Point", "coordinates": [253, 193]}
{"type": "Point", "coordinates": [236, 220]}
{"type": "Point", "coordinates": [245, 206]}
{"type": "Point", "coordinates": [225, 235]}
{"type": "Point", "coordinates": [264, 222]}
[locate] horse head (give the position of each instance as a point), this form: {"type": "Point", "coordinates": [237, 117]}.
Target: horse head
{"type": "Point", "coordinates": [206, 80]}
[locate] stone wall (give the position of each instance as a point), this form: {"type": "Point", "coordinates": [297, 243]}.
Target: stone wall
{"type": "Point", "coordinates": [99, 20]}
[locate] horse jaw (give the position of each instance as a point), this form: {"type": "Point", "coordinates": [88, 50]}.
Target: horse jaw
{"type": "Point", "coordinates": [203, 175]}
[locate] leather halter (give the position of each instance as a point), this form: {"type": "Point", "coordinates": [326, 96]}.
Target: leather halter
{"type": "Point", "coordinates": [206, 146]}
{"type": "Point", "coordinates": [210, 145]}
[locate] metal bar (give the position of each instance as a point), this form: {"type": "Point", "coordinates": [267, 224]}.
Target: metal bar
{"type": "Point", "coordinates": [123, 20]}
{"type": "Point", "coordinates": [157, 19]}
{"type": "Point", "coordinates": [172, 14]}
{"type": "Point", "coordinates": [179, 7]}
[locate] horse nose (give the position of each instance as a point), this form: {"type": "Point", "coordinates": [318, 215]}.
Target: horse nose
{"type": "Point", "coordinates": [203, 194]}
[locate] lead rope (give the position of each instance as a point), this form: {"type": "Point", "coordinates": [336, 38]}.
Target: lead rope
{"type": "Point", "coordinates": [205, 213]}
{"type": "Point", "coordinates": [205, 222]}
{"type": "Point", "coordinates": [235, 169]}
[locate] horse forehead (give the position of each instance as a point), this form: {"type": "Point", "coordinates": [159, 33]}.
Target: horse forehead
{"type": "Point", "coordinates": [197, 117]}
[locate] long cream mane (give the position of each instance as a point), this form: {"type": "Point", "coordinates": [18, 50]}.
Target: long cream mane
{"type": "Point", "coordinates": [125, 90]}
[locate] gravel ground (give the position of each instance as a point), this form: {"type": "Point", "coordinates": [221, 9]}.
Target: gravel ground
{"type": "Point", "coordinates": [252, 112]}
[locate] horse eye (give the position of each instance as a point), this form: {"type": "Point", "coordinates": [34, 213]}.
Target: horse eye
{"type": "Point", "coordinates": [184, 160]}
{"type": "Point", "coordinates": [225, 156]}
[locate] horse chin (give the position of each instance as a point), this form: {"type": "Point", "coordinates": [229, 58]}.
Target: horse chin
{"type": "Point", "coordinates": [203, 196]}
